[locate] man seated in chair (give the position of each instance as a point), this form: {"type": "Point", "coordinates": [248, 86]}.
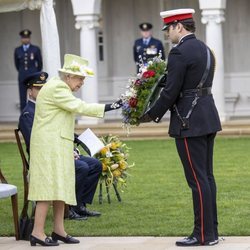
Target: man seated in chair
{"type": "Point", "coordinates": [87, 169]}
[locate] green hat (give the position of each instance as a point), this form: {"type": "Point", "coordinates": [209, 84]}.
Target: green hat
{"type": "Point", "coordinates": [76, 65]}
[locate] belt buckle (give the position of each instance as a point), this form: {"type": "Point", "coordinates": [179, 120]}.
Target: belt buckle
{"type": "Point", "coordinates": [199, 93]}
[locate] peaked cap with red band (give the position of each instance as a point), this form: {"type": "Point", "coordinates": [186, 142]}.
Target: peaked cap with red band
{"type": "Point", "coordinates": [172, 16]}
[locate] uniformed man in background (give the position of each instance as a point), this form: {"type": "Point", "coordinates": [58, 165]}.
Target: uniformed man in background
{"type": "Point", "coordinates": [147, 46]}
{"type": "Point", "coordinates": [194, 119]}
{"type": "Point", "coordinates": [28, 60]}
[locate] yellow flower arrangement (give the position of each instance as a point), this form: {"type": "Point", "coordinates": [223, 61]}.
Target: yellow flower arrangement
{"type": "Point", "coordinates": [114, 158]}
{"type": "Point", "coordinates": [74, 68]}
{"type": "Point", "coordinates": [89, 71]}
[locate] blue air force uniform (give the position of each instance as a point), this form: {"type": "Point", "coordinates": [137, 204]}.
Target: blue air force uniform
{"type": "Point", "coordinates": [186, 65]}
{"type": "Point", "coordinates": [28, 60]}
{"type": "Point", "coordinates": [26, 122]}
{"type": "Point", "coordinates": [88, 171]}
{"type": "Point", "coordinates": [146, 48]}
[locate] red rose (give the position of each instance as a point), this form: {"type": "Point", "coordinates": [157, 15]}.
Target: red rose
{"type": "Point", "coordinates": [148, 74]}
{"type": "Point", "coordinates": [133, 102]}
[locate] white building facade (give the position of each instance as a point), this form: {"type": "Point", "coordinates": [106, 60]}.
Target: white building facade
{"type": "Point", "coordinates": [103, 31]}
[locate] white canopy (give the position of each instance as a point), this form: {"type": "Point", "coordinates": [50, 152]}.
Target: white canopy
{"type": "Point", "coordinates": [50, 38]}
{"type": "Point", "coordinates": [17, 5]}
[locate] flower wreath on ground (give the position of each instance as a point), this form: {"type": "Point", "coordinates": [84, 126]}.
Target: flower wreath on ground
{"type": "Point", "coordinates": [114, 159]}
{"type": "Point", "coordinates": [140, 90]}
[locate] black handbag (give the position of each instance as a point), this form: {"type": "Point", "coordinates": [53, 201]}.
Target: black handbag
{"type": "Point", "coordinates": [26, 221]}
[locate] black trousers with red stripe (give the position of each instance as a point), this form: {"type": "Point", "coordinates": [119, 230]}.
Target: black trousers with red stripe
{"type": "Point", "coordinates": [196, 154]}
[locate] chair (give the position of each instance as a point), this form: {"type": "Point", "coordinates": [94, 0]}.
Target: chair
{"type": "Point", "coordinates": [25, 221]}
{"type": "Point", "coordinates": [8, 190]}
{"type": "Point", "coordinates": [25, 166]}
{"type": "Point", "coordinates": [26, 178]}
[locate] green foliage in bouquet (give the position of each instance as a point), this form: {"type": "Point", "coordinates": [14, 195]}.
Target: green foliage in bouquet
{"type": "Point", "coordinates": [140, 90]}
{"type": "Point", "coordinates": [114, 159]}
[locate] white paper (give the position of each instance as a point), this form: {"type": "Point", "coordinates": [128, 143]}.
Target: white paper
{"type": "Point", "coordinates": [91, 141]}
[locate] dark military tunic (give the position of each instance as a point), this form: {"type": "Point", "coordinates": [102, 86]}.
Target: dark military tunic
{"type": "Point", "coordinates": [26, 62]}
{"type": "Point", "coordinates": [26, 120]}
{"type": "Point", "coordinates": [145, 52]}
{"type": "Point", "coordinates": [186, 65]}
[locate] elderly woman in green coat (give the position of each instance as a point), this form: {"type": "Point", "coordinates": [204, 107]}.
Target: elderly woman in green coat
{"type": "Point", "coordinates": [52, 172]}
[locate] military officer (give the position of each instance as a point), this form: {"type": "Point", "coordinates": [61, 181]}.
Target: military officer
{"type": "Point", "coordinates": [194, 119]}
{"type": "Point", "coordinates": [147, 46]}
{"type": "Point", "coordinates": [33, 83]}
{"type": "Point", "coordinates": [28, 60]}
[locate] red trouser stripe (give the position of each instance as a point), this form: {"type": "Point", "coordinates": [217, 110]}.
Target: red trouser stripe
{"type": "Point", "coordinates": [199, 189]}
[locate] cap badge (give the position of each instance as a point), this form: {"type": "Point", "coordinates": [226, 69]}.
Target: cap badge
{"type": "Point", "coordinates": [42, 77]}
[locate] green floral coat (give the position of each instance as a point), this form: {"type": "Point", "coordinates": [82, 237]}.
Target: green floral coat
{"type": "Point", "coordinates": [52, 172]}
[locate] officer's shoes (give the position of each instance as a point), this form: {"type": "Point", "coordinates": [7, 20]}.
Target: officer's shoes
{"type": "Point", "coordinates": [212, 243]}
{"type": "Point", "coordinates": [187, 241]}
{"type": "Point", "coordinates": [75, 216]}
{"type": "Point", "coordinates": [83, 211]}
{"type": "Point", "coordinates": [192, 241]}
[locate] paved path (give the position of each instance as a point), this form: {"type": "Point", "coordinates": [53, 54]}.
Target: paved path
{"type": "Point", "coordinates": [129, 243]}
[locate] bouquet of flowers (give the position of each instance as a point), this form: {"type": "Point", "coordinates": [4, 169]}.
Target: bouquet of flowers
{"type": "Point", "coordinates": [114, 158]}
{"type": "Point", "coordinates": [142, 90]}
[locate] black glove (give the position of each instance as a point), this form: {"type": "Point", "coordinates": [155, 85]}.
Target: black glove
{"type": "Point", "coordinates": [113, 106]}
{"type": "Point", "coordinates": [145, 118]}
{"type": "Point", "coordinates": [162, 80]}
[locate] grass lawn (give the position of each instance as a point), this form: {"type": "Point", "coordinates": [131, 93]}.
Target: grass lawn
{"type": "Point", "coordinates": [157, 200]}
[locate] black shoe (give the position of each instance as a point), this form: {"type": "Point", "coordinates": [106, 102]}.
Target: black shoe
{"type": "Point", "coordinates": [192, 241]}
{"type": "Point", "coordinates": [85, 212]}
{"type": "Point", "coordinates": [212, 243]}
{"type": "Point", "coordinates": [47, 242]}
{"type": "Point", "coordinates": [68, 239]}
{"type": "Point", "coordinates": [75, 216]}
{"type": "Point", "coordinates": [188, 241]}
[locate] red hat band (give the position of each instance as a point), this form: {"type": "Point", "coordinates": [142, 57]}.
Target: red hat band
{"type": "Point", "coordinates": [177, 17]}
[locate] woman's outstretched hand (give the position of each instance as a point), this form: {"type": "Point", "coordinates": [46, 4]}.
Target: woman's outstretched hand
{"type": "Point", "coordinates": [113, 106]}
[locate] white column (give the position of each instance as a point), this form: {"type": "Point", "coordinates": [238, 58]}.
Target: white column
{"type": "Point", "coordinates": [213, 16]}
{"type": "Point", "coordinates": [88, 49]}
